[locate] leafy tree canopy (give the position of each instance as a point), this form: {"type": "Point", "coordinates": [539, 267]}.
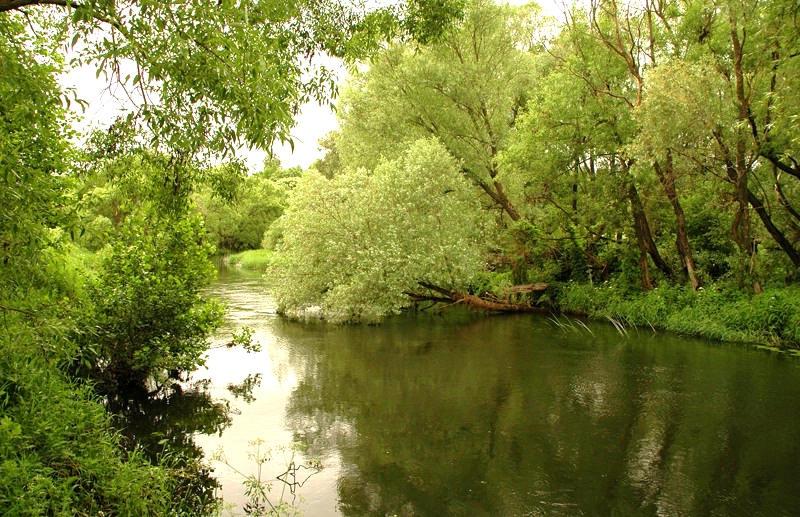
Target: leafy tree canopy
{"type": "Point", "coordinates": [210, 77]}
{"type": "Point", "coordinates": [355, 244]}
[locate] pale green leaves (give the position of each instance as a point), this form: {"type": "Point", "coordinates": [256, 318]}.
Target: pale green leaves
{"type": "Point", "coordinates": [355, 244]}
{"type": "Point", "coordinates": [684, 103]}
{"type": "Point", "coordinates": [465, 89]}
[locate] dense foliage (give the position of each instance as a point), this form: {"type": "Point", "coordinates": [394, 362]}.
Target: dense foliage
{"type": "Point", "coordinates": [208, 78]}
{"type": "Point", "coordinates": [58, 452]}
{"type": "Point", "coordinates": [636, 161]}
{"type": "Point", "coordinates": [631, 146]}
{"type": "Point", "coordinates": [103, 254]}
{"type": "Point", "coordinates": [240, 221]}
{"type": "Point", "coordinates": [149, 316]}
{"type": "Point", "coordinates": [358, 243]}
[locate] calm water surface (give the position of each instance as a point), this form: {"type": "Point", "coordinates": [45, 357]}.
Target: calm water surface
{"type": "Point", "coordinates": [505, 415]}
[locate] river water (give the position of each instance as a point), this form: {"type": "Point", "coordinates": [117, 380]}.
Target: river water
{"type": "Point", "coordinates": [463, 414]}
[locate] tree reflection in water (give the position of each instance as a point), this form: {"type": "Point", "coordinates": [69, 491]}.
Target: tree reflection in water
{"type": "Point", "coordinates": [164, 424]}
{"type": "Point", "coordinates": [510, 416]}
{"type": "Point", "coordinates": [244, 390]}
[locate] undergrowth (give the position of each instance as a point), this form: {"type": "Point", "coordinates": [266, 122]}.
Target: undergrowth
{"type": "Point", "coordinates": [714, 312]}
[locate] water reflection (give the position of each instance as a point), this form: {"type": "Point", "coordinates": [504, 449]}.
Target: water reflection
{"type": "Point", "coordinates": [258, 386]}
{"type": "Point", "coordinates": [167, 422]}
{"type": "Point", "coordinates": [466, 415]}
{"type": "Point", "coordinates": [169, 419]}
{"type": "Point", "coordinates": [244, 389]}
{"type": "Point", "coordinates": [509, 416]}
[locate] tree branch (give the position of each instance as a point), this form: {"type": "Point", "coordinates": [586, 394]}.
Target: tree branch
{"type": "Point", "coordinates": [10, 5]}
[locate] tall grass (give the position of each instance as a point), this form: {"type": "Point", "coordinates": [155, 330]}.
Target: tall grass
{"type": "Point", "coordinates": [715, 312]}
{"type": "Point", "coordinates": [254, 260]}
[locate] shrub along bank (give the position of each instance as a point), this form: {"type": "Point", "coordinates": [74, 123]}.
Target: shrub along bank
{"type": "Point", "coordinates": [714, 312]}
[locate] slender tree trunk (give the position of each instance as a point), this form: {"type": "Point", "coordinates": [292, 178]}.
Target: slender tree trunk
{"type": "Point", "coordinates": [759, 207]}
{"type": "Point", "coordinates": [666, 175]}
{"type": "Point", "coordinates": [784, 202]}
{"type": "Point", "coordinates": [495, 191]}
{"type": "Point", "coordinates": [782, 197]}
{"type": "Point", "coordinates": [519, 267]}
{"type": "Point", "coordinates": [575, 188]}
{"type": "Point", "coordinates": [741, 223]}
{"type": "Point", "coordinates": [641, 228]}
{"type": "Point", "coordinates": [504, 202]}
{"type": "Point", "coordinates": [644, 266]}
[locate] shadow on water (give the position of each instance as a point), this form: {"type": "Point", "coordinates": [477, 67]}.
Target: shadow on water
{"type": "Point", "coordinates": [167, 422]}
{"type": "Point", "coordinates": [171, 422]}
{"type": "Point", "coordinates": [164, 425]}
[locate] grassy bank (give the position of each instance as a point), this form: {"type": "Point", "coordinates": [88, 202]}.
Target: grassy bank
{"type": "Point", "coordinates": [254, 260]}
{"type": "Point", "coordinates": [771, 318]}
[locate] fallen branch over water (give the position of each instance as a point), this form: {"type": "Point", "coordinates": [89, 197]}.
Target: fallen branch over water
{"type": "Point", "coordinates": [485, 302]}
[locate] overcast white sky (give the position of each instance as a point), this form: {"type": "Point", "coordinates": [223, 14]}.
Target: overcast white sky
{"type": "Point", "coordinates": [313, 122]}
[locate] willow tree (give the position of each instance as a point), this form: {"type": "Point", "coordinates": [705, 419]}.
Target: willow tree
{"type": "Point", "coordinates": [362, 244]}
{"type": "Point", "coordinates": [632, 36]}
{"type": "Point", "coordinates": [466, 89]}
{"type": "Point", "coordinates": [722, 103]}
{"type": "Point", "coordinates": [753, 53]}
{"type": "Point", "coordinates": [579, 134]}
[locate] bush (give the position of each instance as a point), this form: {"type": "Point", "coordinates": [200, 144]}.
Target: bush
{"type": "Point", "coordinates": [150, 317]}
{"type": "Point", "coordinates": [58, 452]}
{"type": "Point", "coordinates": [356, 244]}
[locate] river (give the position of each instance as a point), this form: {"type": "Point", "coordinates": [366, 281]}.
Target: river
{"type": "Point", "coordinates": [457, 413]}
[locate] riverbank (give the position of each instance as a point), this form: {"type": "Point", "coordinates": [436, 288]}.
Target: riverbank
{"type": "Point", "coordinates": [718, 312]}
{"type": "Point", "coordinates": [252, 260]}
{"type": "Point", "coordinates": [771, 318]}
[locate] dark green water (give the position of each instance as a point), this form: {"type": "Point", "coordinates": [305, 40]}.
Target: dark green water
{"type": "Point", "coordinates": [503, 415]}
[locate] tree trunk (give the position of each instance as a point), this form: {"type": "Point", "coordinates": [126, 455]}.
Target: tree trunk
{"type": "Point", "coordinates": [773, 230]}
{"type": "Point", "coordinates": [575, 188]}
{"type": "Point", "coordinates": [741, 223]}
{"type": "Point", "coordinates": [447, 296]}
{"type": "Point", "coordinates": [504, 202]}
{"type": "Point", "coordinates": [644, 238]}
{"type": "Point", "coordinates": [784, 202]}
{"type": "Point", "coordinates": [759, 207]}
{"type": "Point", "coordinates": [666, 175]}
{"type": "Point", "coordinates": [496, 192]}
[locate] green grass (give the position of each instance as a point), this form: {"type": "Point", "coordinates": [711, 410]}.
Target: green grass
{"type": "Point", "coordinates": [255, 260]}
{"type": "Point", "coordinates": [724, 314]}
{"type": "Point", "coordinates": [59, 452]}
